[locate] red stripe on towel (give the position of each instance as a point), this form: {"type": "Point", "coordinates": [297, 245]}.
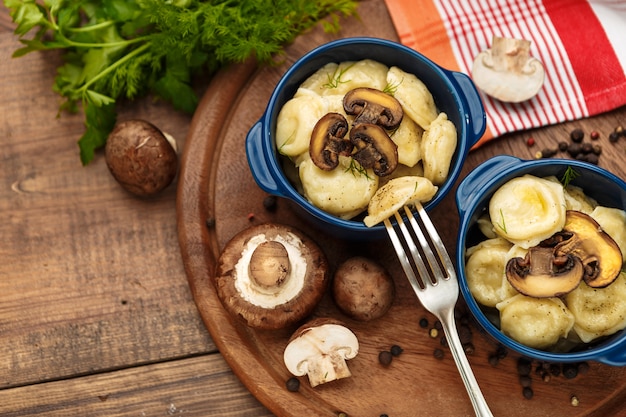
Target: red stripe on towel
{"type": "Point", "coordinates": [587, 46]}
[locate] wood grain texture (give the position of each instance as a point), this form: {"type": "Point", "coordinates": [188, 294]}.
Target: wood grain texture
{"type": "Point", "coordinates": [96, 313]}
{"type": "Point", "coordinates": [91, 277]}
{"type": "Point", "coordinates": [198, 386]}
{"type": "Point", "coordinates": [230, 199]}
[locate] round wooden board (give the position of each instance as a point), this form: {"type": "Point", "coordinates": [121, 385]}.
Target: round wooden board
{"type": "Point", "coordinates": [218, 197]}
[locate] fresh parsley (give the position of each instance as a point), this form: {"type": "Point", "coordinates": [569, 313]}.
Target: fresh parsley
{"type": "Point", "coordinates": [119, 49]}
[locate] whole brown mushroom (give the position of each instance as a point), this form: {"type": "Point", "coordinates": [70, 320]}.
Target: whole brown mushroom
{"type": "Point", "coordinates": [363, 289]}
{"type": "Point", "coordinates": [140, 157]}
{"type": "Point", "coordinates": [271, 276]}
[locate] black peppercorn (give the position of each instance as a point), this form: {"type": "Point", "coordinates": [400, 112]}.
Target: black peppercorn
{"type": "Point", "coordinates": [494, 360]}
{"type": "Point", "coordinates": [524, 366]}
{"type": "Point", "coordinates": [465, 334]}
{"type": "Point", "coordinates": [555, 369]}
{"type": "Point", "coordinates": [424, 323]}
{"type": "Point", "coordinates": [469, 348]}
{"type": "Point", "coordinates": [597, 149]}
{"type": "Point", "coordinates": [525, 381]}
{"type": "Point", "coordinates": [293, 384]}
{"type": "Point", "coordinates": [614, 137]}
{"type": "Point", "coordinates": [574, 149]}
{"type": "Point", "coordinates": [583, 368]}
{"type": "Point", "coordinates": [385, 357]}
{"type": "Point", "coordinates": [587, 147]}
{"type": "Point", "coordinates": [577, 135]}
{"type": "Point", "coordinates": [548, 152]}
{"type": "Point", "coordinates": [570, 370]}
{"type": "Point", "coordinates": [438, 354]}
{"type": "Point", "coordinates": [269, 203]}
{"type": "Point", "coordinates": [563, 146]}
{"type": "Point", "coordinates": [528, 393]}
{"type": "Point", "coordinates": [396, 350]}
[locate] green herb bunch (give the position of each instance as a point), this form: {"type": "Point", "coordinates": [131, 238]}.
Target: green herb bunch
{"type": "Point", "coordinates": [115, 49]}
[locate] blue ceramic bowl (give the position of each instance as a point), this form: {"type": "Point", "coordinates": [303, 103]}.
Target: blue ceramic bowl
{"type": "Point", "coordinates": [454, 93]}
{"type": "Point", "coordinates": [472, 199]}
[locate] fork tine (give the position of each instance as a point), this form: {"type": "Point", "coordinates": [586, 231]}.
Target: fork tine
{"type": "Point", "coordinates": [447, 269]}
{"type": "Point", "coordinates": [402, 256]}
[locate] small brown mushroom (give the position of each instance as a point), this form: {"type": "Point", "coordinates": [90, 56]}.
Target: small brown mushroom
{"type": "Point", "coordinates": [600, 255]}
{"type": "Point", "coordinates": [374, 148]}
{"type": "Point", "coordinates": [320, 349]}
{"type": "Point", "coordinates": [363, 289]}
{"type": "Point", "coordinates": [542, 273]}
{"type": "Point", "coordinates": [140, 157]}
{"type": "Point", "coordinates": [327, 141]}
{"type": "Point", "coordinates": [271, 276]}
{"type": "Point", "coordinates": [370, 105]}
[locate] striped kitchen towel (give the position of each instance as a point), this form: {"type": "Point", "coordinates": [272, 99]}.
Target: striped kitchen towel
{"type": "Point", "coordinates": [581, 43]}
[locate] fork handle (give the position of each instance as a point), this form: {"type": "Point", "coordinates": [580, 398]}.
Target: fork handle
{"type": "Point", "coordinates": [471, 385]}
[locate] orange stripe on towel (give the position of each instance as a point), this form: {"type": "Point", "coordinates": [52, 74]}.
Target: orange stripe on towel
{"type": "Point", "coordinates": [432, 41]}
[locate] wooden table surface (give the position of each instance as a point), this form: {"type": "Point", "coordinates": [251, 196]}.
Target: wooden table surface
{"type": "Point", "coordinates": [96, 314]}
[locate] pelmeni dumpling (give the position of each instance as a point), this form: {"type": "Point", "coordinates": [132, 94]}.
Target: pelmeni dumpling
{"type": "Point", "coordinates": [484, 270]}
{"type": "Point", "coordinates": [527, 210]}
{"type": "Point", "coordinates": [296, 121]}
{"type": "Point", "coordinates": [345, 191]}
{"type": "Point", "coordinates": [575, 199]}
{"type": "Point", "coordinates": [598, 311]}
{"type": "Point", "coordinates": [408, 138]}
{"type": "Point", "coordinates": [613, 222]}
{"type": "Point", "coordinates": [416, 100]}
{"type": "Point", "coordinates": [535, 322]}
{"type": "Point", "coordinates": [338, 79]}
{"type": "Point", "coordinates": [438, 146]}
{"type": "Point", "coordinates": [395, 194]}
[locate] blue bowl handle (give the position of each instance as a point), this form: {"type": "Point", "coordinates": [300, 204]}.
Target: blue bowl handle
{"type": "Point", "coordinates": [477, 116]}
{"type": "Point", "coordinates": [258, 161]}
{"type": "Point", "coordinates": [479, 178]}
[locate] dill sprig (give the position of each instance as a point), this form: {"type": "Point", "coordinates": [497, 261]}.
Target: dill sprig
{"type": "Point", "coordinates": [118, 49]}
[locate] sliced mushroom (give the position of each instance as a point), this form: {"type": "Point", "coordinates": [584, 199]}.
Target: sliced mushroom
{"type": "Point", "coordinates": [507, 72]}
{"type": "Point", "coordinates": [374, 148]}
{"type": "Point", "coordinates": [320, 349]}
{"type": "Point", "coordinates": [370, 105]}
{"type": "Point", "coordinates": [327, 141]}
{"type": "Point", "coordinates": [271, 276]}
{"type": "Point", "coordinates": [600, 255]}
{"type": "Point", "coordinates": [542, 273]}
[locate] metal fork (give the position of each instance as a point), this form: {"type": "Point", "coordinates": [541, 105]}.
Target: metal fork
{"type": "Point", "coordinates": [436, 288]}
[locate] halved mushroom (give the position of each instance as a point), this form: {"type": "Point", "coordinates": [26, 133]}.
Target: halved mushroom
{"type": "Point", "coordinates": [507, 72]}
{"type": "Point", "coordinates": [542, 273]}
{"type": "Point", "coordinates": [374, 148]}
{"type": "Point", "coordinates": [373, 106]}
{"type": "Point", "coordinates": [600, 255]}
{"type": "Point", "coordinates": [319, 349]}
{"type": "Point", "coordinates": [327, 141]}
{"type": "Point", "coordinates": [271, 276]}
{"type": "Point", "coordinates": [581, 251]}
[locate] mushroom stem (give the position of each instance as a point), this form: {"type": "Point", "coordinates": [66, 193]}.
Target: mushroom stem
{"type": "Point", "coordinates": [269, 265]}
{"type": "Point", "coordinates": [328, 367]}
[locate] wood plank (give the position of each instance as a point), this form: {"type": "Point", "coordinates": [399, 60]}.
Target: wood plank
{"type": "Point", "coordinates": [91, 277]}
{"type": "Point", "coordinates": [200, 386]}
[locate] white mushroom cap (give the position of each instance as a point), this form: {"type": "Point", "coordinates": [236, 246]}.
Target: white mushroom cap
{"type": "Point", "coordinates": [320, 349]}
{"type": "Point", "coordinates": [507, 72]}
